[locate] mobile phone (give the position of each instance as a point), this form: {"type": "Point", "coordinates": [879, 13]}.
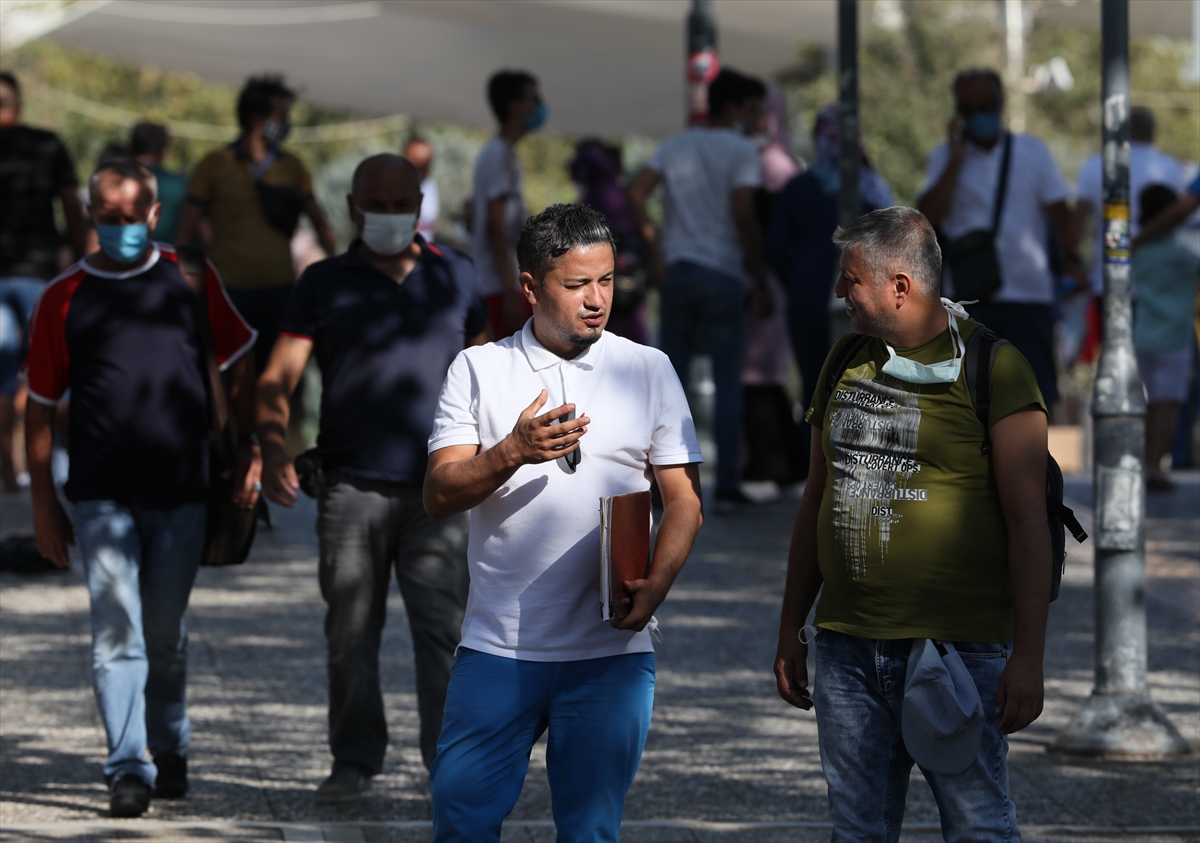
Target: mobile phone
{"type": "Point", "coordinates": [571, 459]}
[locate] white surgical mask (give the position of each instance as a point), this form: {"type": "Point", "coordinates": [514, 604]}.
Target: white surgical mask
{"type": "Point", "coordinates": [945, 372]}
{"type": "Point", "coordinates": [388, 234]}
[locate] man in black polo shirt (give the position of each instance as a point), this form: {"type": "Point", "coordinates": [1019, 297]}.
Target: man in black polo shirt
{"type": "Point", "coordinates": [120, 330]}
{"type": "Point", "coordinates": [385, 321]}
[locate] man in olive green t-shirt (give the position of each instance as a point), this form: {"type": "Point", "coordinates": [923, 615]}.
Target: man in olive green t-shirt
{"type": "Point", "coordinates": [909, 532]}
{"type": "Point", "coordinates": [252, 194]}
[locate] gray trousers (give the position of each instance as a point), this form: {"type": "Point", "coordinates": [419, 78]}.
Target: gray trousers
{"type": "Point", "coordinates": [366, 527]}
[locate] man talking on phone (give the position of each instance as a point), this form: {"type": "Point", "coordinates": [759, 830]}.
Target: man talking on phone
{"type": "Point", "coordinates": [530, 433]}
{"type": "Point", "coordinates": [968, 179]}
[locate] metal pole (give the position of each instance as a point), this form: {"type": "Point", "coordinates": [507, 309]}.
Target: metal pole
{"type": "Point", "coordinates": [702, 61]}
{"type": "Point", "coordinates": [849, 204]}
{"type": "Point", "coordinates": [1119, 718]}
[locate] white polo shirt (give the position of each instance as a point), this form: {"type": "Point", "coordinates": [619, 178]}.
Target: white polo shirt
{"type": "Point", "coordinates": [534, 551]}
{"type": "Point", "coordinates": [1021, 243]}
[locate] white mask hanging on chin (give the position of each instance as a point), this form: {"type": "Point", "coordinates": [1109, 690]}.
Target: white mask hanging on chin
{"type": "Point", "coordinates": [944, 372]}
{"type": "Point", "coordinates": [388, 234]}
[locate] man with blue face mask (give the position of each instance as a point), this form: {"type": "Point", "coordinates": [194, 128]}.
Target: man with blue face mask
{"type": "Point", "coordinates": [120, 330]}
{"type": "Point", "coordinates": [1004, 189]}
{"type": "Point", "coordinates": [384, 320]}
{"type": "Point", "coordinates": [910, 533]}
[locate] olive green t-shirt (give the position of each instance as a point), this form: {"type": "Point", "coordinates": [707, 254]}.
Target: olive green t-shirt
{"type": "Point", "coordinates": [247, 250]}
{"type": "Point", "coordinates": [911, 539]}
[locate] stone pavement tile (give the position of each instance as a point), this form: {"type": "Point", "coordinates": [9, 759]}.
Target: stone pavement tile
{"type": "Point", "coordinates": [722, 746]}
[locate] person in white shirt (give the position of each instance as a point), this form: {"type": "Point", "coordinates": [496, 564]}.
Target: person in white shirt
{"type": "Point", "coordinates": [710, 237]}
{"type": "Point", "coordinates": [535, 654]}
{"type": "Point", "coordinates": [497, 204]}
{"type": "Point", "coordinates": [1147, 165]}
{"type": "Point", "coordinates": [420, 154]}
{"type": "Point", "coordinates": [960, 194]}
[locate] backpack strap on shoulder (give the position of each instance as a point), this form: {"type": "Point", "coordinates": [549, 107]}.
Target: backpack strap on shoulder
{"type": "Point", "coordinates": [978, 360]}
{"type": "Point", "coordinates": [840, 363]}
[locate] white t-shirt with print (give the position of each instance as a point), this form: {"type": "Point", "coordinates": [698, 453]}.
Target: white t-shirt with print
{"type": "Point", "coordinates": [700, 168]}
{"type": "Point", "coordinates": [534, 550]}
{"type": "Point", "coordinates": [497, 174]}
{"type": "Point", "coordinates": [1021, 243]}
{"type": "Point", "coordinates": [1147, 165]}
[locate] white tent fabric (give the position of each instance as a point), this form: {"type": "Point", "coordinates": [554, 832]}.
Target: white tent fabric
{"type": "Point", "coordinates": [607, 67]}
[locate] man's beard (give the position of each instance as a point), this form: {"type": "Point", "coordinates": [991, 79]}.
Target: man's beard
{"type": "Point", "coordinates": [584, 340]}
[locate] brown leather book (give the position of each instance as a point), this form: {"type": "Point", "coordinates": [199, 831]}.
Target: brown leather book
{"type": "Point", "coordinates": [624, 549]}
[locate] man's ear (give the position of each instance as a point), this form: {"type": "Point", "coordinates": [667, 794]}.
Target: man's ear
{"type": "Point", "coordinates": [530, 286]}
{"type": "Point", "coordinates": [355, 214]}
{"type": "Point", "coordinates": [152, 220]}
{"type": "Point", "coordinates": [902, 287]}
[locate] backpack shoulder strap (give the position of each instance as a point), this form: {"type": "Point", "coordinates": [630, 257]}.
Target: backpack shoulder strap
{"type": "Point", "coordinates": [841, 361]}
{"type": "Point", "coordinates": [980, 355]}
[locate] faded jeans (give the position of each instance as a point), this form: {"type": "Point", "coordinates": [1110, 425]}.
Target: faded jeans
{"type": "Point", "coordinates": [695, 298]}
{"type": "Point", "coordinates": [365, 528]}
{"type": "Point", "coordinates": [140, 567]}
{"type": "Point", "coordinates": [858, 695]}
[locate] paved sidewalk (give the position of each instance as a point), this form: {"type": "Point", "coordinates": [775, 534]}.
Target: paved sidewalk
{"type": "Point", "coordinates": [726, 760]}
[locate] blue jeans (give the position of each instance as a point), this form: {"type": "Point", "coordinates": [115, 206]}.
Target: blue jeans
{"type": "Point", "coordinates": [18, 295]}
{"type": "Point", "coordinates": [696, 298]}
{"type": "Point", "coordinates": [598, 714]}
{"type": "Point", "coordinates": [858, 694]}
{"type": "Point", "coordinates": [140, 566]}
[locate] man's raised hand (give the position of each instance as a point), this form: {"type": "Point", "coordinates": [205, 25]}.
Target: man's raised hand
{"type": "Point", "coordinates": [536, 439]}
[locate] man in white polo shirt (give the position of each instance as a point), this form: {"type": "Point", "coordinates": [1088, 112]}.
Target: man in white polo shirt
{"type": "Point", "coordinates": [535, 654]}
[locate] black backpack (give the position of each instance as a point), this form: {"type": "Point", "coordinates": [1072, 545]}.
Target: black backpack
{"type": "Point", "coordinates": [982, 345]}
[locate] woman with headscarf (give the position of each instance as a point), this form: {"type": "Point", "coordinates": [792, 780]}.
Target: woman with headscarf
{"type": "Point", "coordinates": [773, 447]}
{"type": "Point", "coordinates": [800, 246]}
{"type": "Point", "coordinates": [596, 171]}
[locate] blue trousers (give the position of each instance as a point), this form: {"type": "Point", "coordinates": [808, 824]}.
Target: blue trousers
{"type": "Point", "coordinates": [140, 567]}
{"type": "Point", "coordinates": [598, 714]}
{"type": "Point", "coordinates": [858, 694]}
{"type": "Point", "coordinates": [18, 296]}
{"type": "Point", "coordinates": [693, 299]}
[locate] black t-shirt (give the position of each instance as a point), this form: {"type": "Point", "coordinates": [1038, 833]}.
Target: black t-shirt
{"type": "Point", "coordinates": [127, 345]}
{"type": "Point", "coordinates": [34, 167]}
{"type": "Point", "coordinates": [383, 349]}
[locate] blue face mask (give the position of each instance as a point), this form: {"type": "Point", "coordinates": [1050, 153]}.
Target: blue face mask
{"type": "Point", "coordinates": [945, 372]}
{"type": "Point", "coordinates": [124, 243]}
{"type": "Point", "coordinates": [535, 121]}
{"type": "Point", "coordinates": [983, 125]}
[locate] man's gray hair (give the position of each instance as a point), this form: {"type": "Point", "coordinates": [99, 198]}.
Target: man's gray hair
{"type": "Point", "coordinates": [125, 169]}
{"type": "Point", "coordinates": [896, 239]}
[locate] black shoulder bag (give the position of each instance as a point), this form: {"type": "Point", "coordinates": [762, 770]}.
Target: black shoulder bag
{"type": "Point", "coordinates": [972, 257]}
{"type": "Point", "coordinates": [231, 529]}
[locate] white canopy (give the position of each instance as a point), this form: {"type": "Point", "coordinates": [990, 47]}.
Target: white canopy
{"type": "Point", "coordinates": [607, 67]}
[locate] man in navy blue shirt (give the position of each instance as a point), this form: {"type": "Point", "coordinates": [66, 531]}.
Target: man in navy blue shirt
{"type": "Point", "coordinates": [385, 321]}
{"type": "Point", "coordinates": [120, 329]}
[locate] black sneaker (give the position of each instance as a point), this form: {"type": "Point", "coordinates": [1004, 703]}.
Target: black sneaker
{"type": "Point", "coordinates": [346, 783]}
{"type": "Point", "coordinates": [130, 797]}
{"type": "Point", "coordinates": [172, 780]}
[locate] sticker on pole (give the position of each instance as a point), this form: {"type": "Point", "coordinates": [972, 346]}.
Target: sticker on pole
{"type": "Point", "coordinates": [1116, 233]}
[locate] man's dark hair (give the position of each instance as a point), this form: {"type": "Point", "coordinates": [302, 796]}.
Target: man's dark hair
{"type": "Point", "coordinates": [506, 87]}
{"type": "Point", "coordinates": [733, 88]}
{"type": "Point", "coordinates": [1141, 124]}
{"type": "Point", "coordinates": [1152, 200]}
{"type": "Point", "coordinates": [148, 139]}
{"type": "Point", "coordinates": [972, 73]}
{"type": "Point", "coordinates": [258, 98]}
{"type": "Point", "coordinates": [10, 80]}
{"type": "Point", "coordinates": [556, 231]}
